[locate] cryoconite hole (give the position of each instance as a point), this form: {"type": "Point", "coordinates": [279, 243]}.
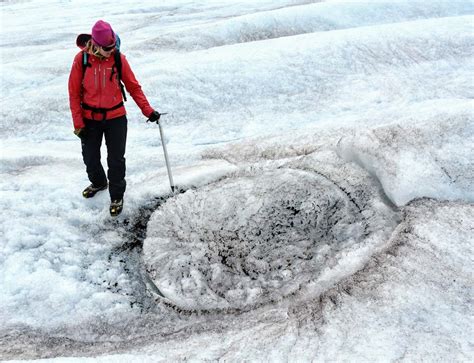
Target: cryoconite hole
{"type": "Point", "coordinates": [249, 240]}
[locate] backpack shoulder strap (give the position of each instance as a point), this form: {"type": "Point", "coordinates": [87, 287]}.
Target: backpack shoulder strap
{"type": "Point", "coordinates": [118, 65]}
{"type": "Point", "coordinates": [85, 62]}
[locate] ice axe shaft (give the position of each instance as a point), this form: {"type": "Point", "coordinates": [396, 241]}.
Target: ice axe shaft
{"type": "Point", "coordinates": [166, 157]}
{"type": "Point", "coordinates": [165, 151]}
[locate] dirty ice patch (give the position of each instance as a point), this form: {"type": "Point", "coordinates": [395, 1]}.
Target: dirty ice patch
{"type": "Point", "coordinates": [418, 303]}
{"type": "Point", "coordinates": [435, 159]}
{"type": "Point", "coordinates": [252, 239]}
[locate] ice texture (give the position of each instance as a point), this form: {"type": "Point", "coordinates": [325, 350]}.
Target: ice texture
{"type": "Point", "coordinates": [368, 103]}
{"type": "Point", "coordinates": [433, 160]}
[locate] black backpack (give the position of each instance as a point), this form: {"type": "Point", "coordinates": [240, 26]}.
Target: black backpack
{"type": "Point", "coordinates": [81, 42]}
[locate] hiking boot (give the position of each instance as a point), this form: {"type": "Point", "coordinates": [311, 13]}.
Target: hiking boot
{"type": "Point", "coordinates": [116, 207]}
{"type": "Point", "coordinates": [92, 190]}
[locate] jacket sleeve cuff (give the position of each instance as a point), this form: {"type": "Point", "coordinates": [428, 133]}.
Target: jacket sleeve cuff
{"type": "Point", "coordinates": [79, 124]}
{"type": "Point", "coordinates": [147, 111]}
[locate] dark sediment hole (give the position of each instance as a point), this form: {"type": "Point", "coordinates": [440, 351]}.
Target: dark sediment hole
{"type": "Point", "coordinates": [250, 240]}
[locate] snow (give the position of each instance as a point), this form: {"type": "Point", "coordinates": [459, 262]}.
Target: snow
{"type": "Point", "coordinates": [351, 120]}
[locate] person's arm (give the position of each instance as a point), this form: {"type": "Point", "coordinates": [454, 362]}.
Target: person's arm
{"type": "Point", "coordinates": [75, 89]}
{"type": "Point", "coordinates": [134, 88]}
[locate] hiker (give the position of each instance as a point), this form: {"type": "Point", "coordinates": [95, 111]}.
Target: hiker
{"type": "Point", "coordinates": [96, 99]}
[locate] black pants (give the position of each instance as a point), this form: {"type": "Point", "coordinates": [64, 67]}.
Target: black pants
{"type": "Point", "coordinates": [115, 131]}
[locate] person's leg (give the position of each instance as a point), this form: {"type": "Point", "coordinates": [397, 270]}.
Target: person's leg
{"type": "Point", "coordinates": [91, 153]}
{"type": "Point", "coordinates": [115, 139]}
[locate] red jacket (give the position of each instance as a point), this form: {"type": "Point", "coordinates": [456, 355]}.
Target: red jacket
{"type": "Point", "coordinates": [99, 90]}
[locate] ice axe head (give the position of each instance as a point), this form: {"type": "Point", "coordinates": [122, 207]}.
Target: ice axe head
{"type": "Point", "coordinates": [158, 120]}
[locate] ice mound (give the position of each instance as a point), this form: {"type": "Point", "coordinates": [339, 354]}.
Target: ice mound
{"type": "Point", "coordinates": [251, 239]}
{"type": "Point", "coordinates": [433, 159]}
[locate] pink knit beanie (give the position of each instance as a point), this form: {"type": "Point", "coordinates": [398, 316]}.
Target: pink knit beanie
{"type": "Point", "coordinates": [102, 34]}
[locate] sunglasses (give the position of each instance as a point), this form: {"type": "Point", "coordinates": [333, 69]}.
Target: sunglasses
{"type": "Point", "coordinates": [108, 48]}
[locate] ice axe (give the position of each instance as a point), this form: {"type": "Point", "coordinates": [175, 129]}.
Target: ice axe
{"type": "Point", "coordinates": [165, 152]}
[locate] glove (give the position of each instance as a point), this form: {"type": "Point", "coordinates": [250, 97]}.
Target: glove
{"type": "Point", "coordinates": [154, 116]}
{"type": "Point", "coordinates": [81, 133]}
